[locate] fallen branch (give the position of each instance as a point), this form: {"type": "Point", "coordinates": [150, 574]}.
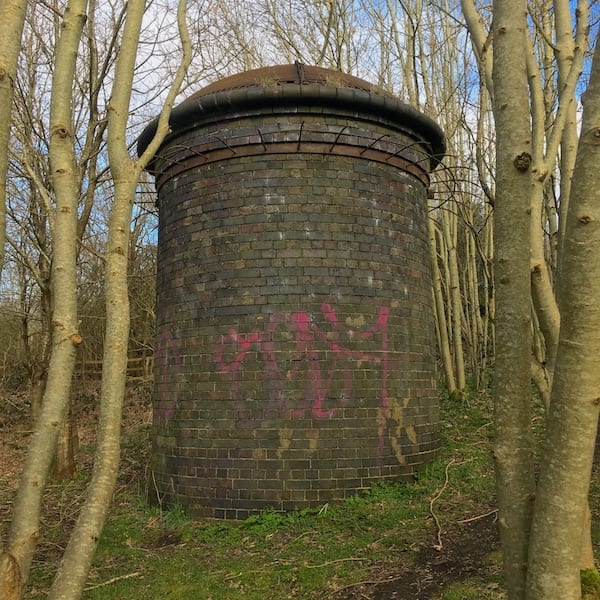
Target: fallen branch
{"type": "Point", "coordinates": [439, 544]}
{"type": "Point", "coordinates": [478, 517]}
{"type": "Point", "coordinates": [287, 563]}
{"type": "Point", "coordinates": [366, 582]}
{"type": "Point", "coordinates": [332, 562]}
{"type": "Point", "coordinates": [113, 580]}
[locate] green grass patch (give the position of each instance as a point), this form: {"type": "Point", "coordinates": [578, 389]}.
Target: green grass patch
{"type": "Point", "coordinates": [472, 590]}
{"type": "Point", "coordinates": [146, 554]}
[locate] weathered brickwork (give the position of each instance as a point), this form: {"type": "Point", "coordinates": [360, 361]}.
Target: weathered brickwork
{"type": "Point", "coordinates": [295, 352]}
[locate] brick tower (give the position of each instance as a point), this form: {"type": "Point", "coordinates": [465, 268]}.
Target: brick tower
{"type": "Point", "coordinates": [295, 336]}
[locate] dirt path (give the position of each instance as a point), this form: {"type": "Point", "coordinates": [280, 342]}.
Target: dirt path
{"type": "Point", "coordinates": [463, 556]}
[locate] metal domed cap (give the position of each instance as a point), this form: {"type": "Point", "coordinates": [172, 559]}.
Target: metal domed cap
{"type": "Point", "coordinates": [297, 73]}
{"type": "Point", "coordinates": [285, 87]}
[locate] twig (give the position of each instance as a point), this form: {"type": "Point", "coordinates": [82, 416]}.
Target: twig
{"type": "Point", "coordinates": [302, 535]}
{"type": "Point", "coordinates": [439, 544]}
{"type": "Point", "coordinates": [366, 582]}
{"type": "Point", "coordinates": [487, 514]}
{"type": "Point", "coordinates": [288, 563]}
{"type": "Point", "coordinates": [332, 562]}
{"type": "Point", "coordinates": [119, 578]}
{"type": "Point", "coordinates": [242, 573]}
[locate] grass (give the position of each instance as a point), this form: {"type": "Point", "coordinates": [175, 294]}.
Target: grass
{"type": "Point", "coordinates": [472, 590]}
{"type": "Point", "coordinates": [319, 553]}
{"type": "Point", "coordinates": [272, 555]}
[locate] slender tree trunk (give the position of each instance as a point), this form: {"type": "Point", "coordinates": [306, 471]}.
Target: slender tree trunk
{"type": "Point", "coordinates": [450, 232]}
{"type": "Point", "coordinates": [472, 300]}
{"type": "Point", "coordinates": [539, 372]}
{"type": "Point", "coordinates": [513, 445]}
{"type": "Point", "coordinates": [565, 49]}
{"type": "Point", "coordinates": [24, 530]}
{"type": "Point", "coordinates": [64, 466]}
{"type": "Point", "coordinates": [12, 20]}
{"type": "Point", "coordinates": [542, 291]}
{"type": "Point", "coordinates": [36, 393]}
{"type": "Point", "coordinates": [561, 502]}
{"type": "Point", "coordinates": [440, 311]}
{"type": "Point", "coordinates": [550, 134]}
{"type": "Point", "coordinates": [481, 43]}
{"type": "Point", "coordinates": [38, 357]}
{"type": "Point", "coordinates": [78, 556]}
{"type": "Point", "coordinates": [487, 296]}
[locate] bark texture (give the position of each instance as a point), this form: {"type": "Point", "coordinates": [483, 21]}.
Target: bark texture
{"type": "Point", "coordinates": [561, 502]}
{"type": "Point", "coordinates": [24, 530]}
{"type": "Point", "coordinates": [513, 446]}
{"type": "Point", "coordinates": [12, 20]}
{"type": "Point", "coordinates": [74, 569]}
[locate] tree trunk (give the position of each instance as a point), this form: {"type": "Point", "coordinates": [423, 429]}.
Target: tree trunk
{"type": "Point", "coordinates": [24, 530]}
{"type": "Point", "coordinates": [561, 502]}
{"type": "Point", "coordinates": [450, 232]}
{"type": "Point", "coordinates": [472, 299]}
{"type": "Point", "coordinates": [12, 20]}
{"type": "Point", "coordinates": [71, 577]}
{"type": "Point", "coordinates": [440, 312]}
{"type": "Point", "coordinates": [568, 143]}
{"type": "Point", "coordinates": [64, 466]}
{"type": "Point", "coordinates": [36, 392]}
{"type": "Point", "coordinates": [513, 444]}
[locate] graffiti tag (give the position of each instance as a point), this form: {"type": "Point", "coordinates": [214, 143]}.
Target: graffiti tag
{"type": "Point", "coordinates": [307, 342]}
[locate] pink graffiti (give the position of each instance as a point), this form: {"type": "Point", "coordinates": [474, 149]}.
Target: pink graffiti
{"type": "Point", "coordinates": [167, 359]}
{"type": "Point", "coordinates": [243, 344]}
{"type": "Point", "coordinates": [381, 327]}
{"type": "Point", "coordinates": [232, 349]}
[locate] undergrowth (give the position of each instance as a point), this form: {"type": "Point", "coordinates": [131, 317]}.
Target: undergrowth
{"type": "Point", "coordinates": [327, 552]}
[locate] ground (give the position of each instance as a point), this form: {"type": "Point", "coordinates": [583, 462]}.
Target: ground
{"type": "Point", "coordinates": [465, 554]}
{"type": "Point", "coordinates": [453, 553]}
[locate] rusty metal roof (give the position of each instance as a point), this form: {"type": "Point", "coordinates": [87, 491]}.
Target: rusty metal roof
{"type": "Point", "coordinates": [296, 73]}
{"type": "Point", "coordinates": [285, 87]}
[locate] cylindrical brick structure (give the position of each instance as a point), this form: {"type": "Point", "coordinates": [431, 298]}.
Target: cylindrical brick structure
{"type": "Point", "coordinates": [295, 353]}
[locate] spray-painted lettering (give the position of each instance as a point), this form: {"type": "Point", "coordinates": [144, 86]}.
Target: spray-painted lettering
{"type": "Point", "coordinates": [304, 346]}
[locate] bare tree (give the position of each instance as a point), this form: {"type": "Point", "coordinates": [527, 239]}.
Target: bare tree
{"type": "Point", "coordinates": [126, 173]}
{"type": "Point", "coordinates": [513, 445]}
{"type": "Point", "coordinates": [561, 498]}
{"type": "Point", "coordinates": [65, 336]}
{"type": "Point", "coordinates": [534, 120]}
{"type": "Point", "coordinates": [12, 19]}
{"type": "Point", "coordinates": [69, 166]}
{"type": "Point", "coordinates": [31, 211]}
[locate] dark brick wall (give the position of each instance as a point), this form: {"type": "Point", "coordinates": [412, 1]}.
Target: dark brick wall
{"type": "Point", "coordinates": [295, 354]}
